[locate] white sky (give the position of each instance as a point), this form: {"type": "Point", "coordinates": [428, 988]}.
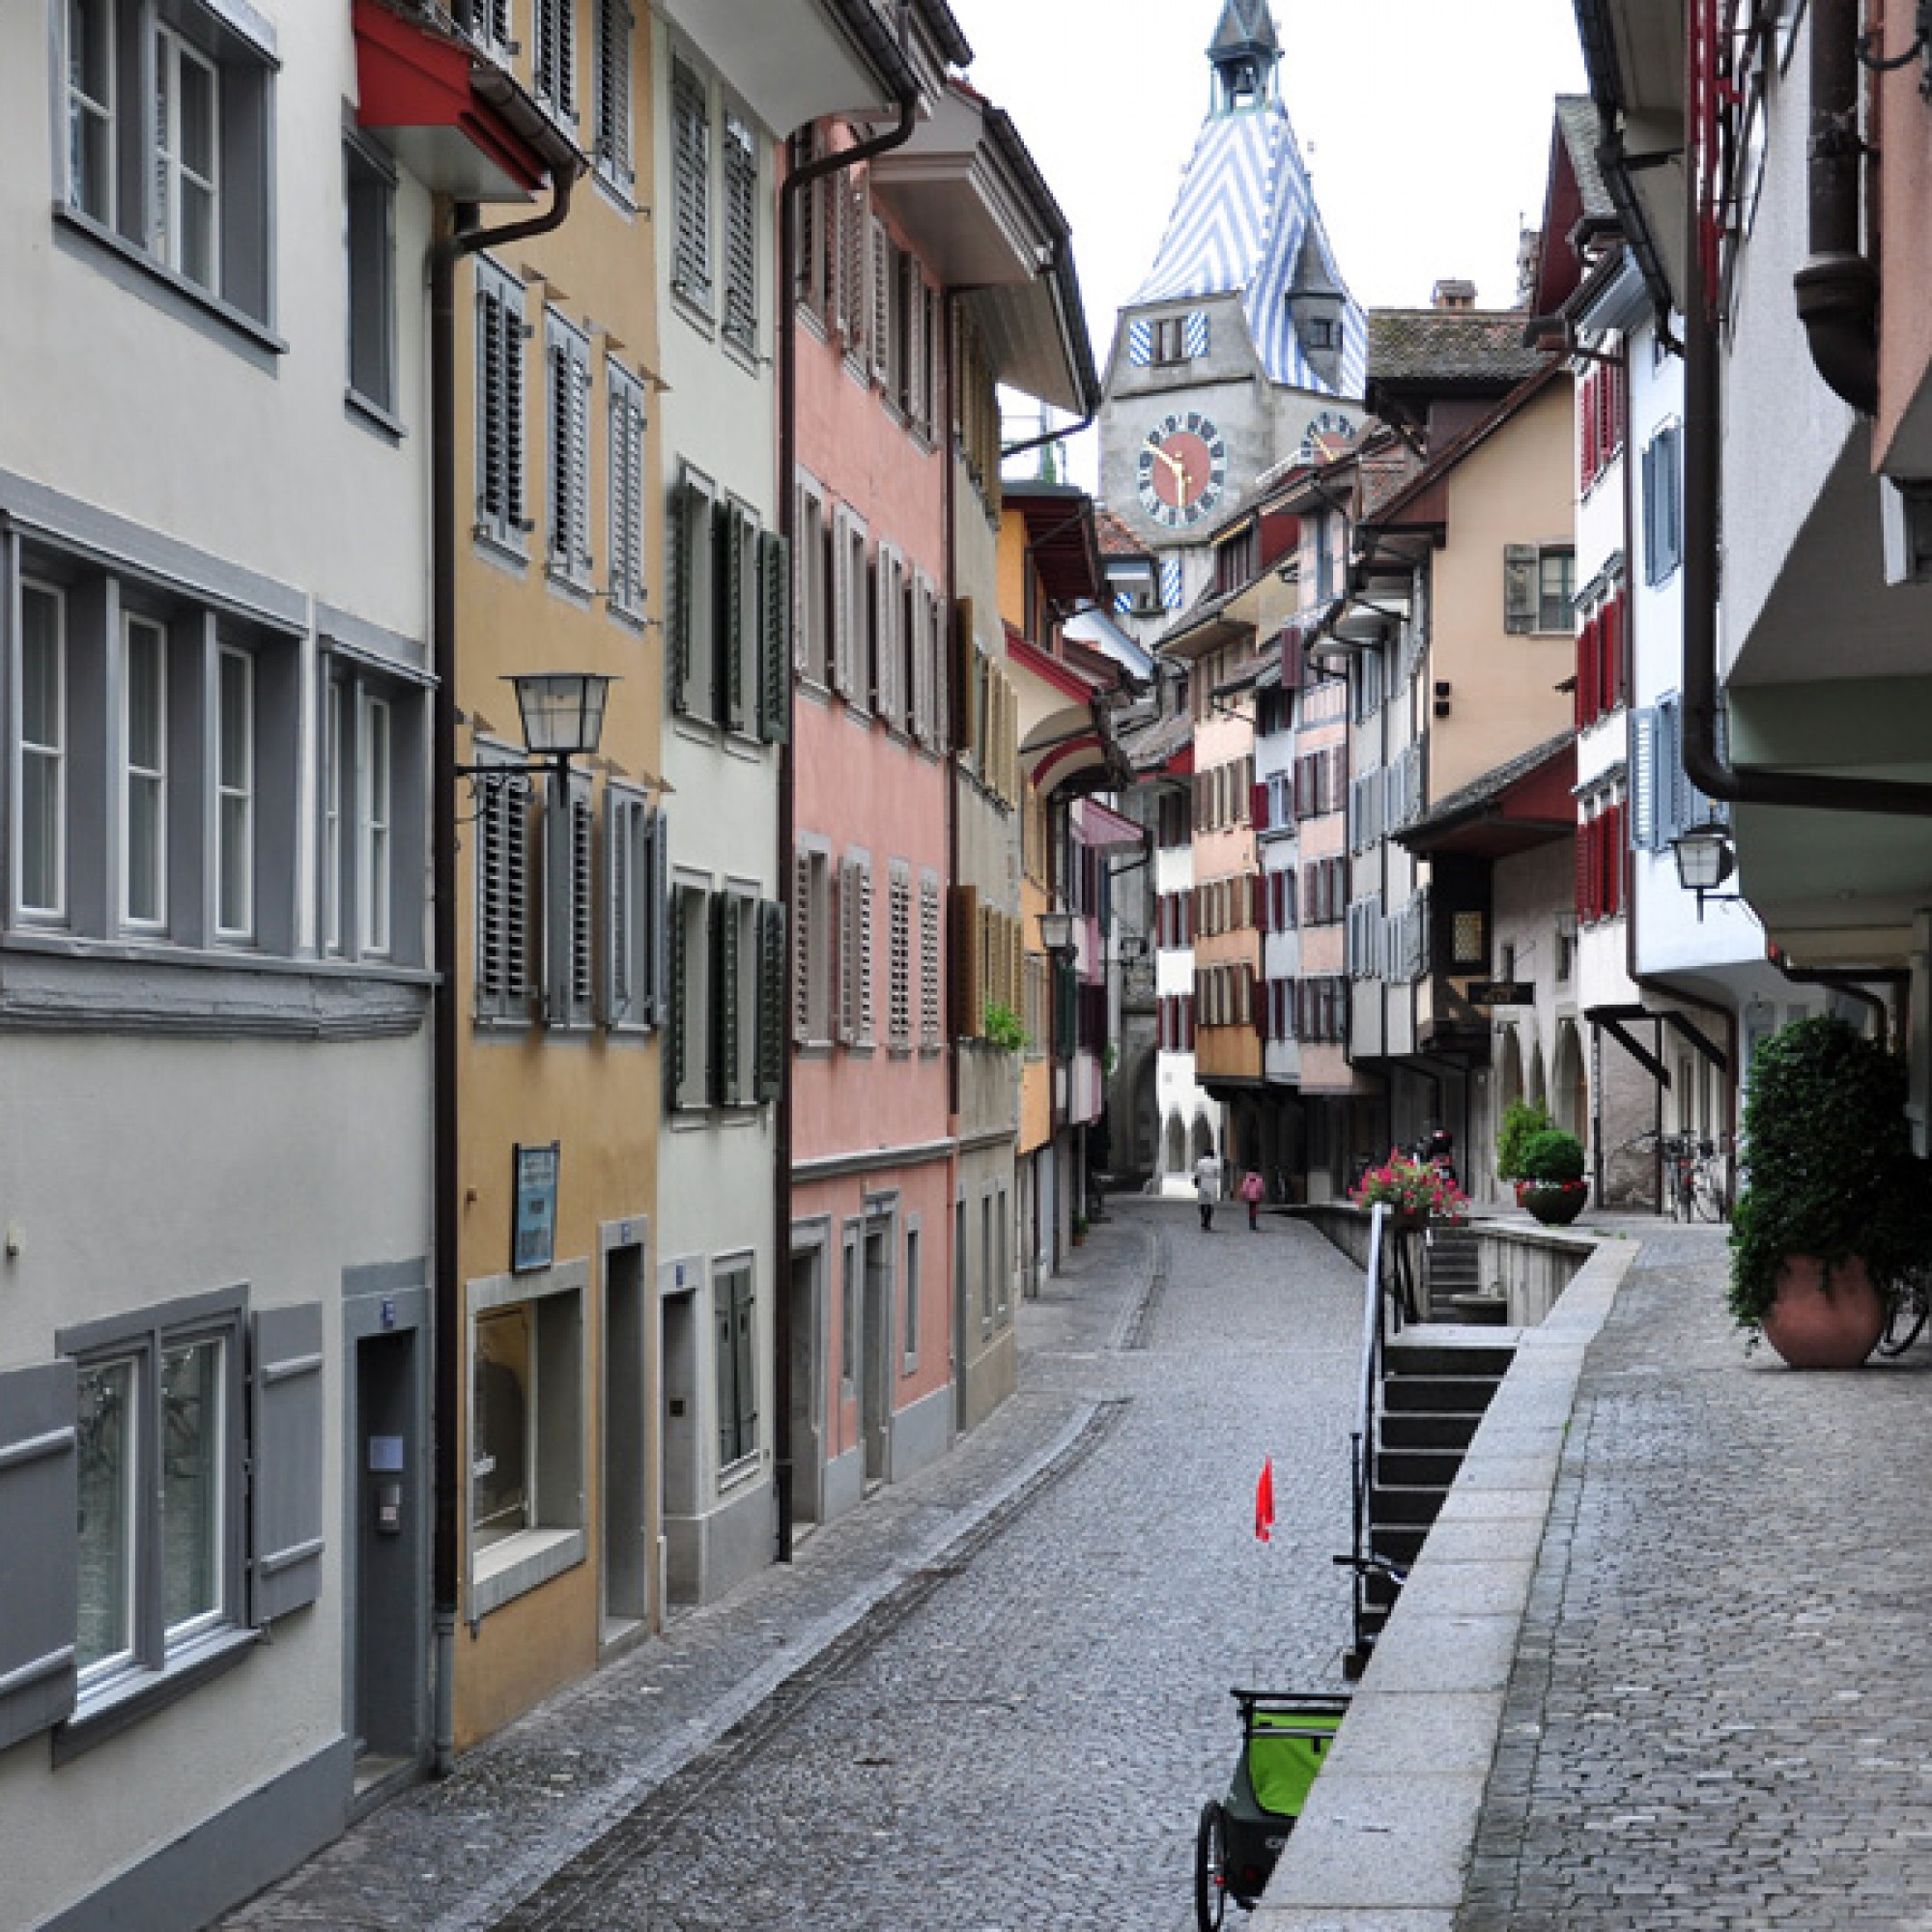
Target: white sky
{"type": "Point", "coordinates": [1425, 125]}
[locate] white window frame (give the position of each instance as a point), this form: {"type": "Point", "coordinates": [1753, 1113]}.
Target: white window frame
{"type": "Point", "coordinates": [175, 179]}
{"type": "Point", "coordinates": [233, 897]}
{"type": "Point", "coordinates": [375, 805]}
{"type": "Point", "coordinates": [369, 264]}
{"type": "Point", "coordinates": [909, 1336]}
{"type": "Point", "coordinates": [153, 777]}
{"type": "Point", "coordinates": [811, 571]}
{"type": "Point", "coordinates": [89, 113]}
{"type": "Point", "coordinates": [49, 754]}
{"type": "Point", "coordinates": [735, 1290]}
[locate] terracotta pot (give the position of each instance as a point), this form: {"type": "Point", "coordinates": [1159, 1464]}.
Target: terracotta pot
{"type": "Point", "coordinates": [1812, 1328]}
{"type": "Point", "coordinates": [1554, 1202]}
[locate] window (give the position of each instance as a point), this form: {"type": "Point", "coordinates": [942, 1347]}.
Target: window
{"type": "Point", "coordinates": [1169, 338]}
{"type": "Point", "coordinates": [526, 1431]}
{"type": "Point", "coordinates": [501, 517]}
{"type": "Point", "coordinates": [567, 358]}
{"type": "Point", "coordinates": [611, 102]}
{"type": "Point", "coordinates": [850, 586]}
{"type": "Point", "coordinates": [1538, 587]}
{"type": "Point", "coordinates": [692, 652]}
{"type": "Point", "coordinates": [726, 998]}
{"type": "Point", "coordinates": [741, 234]}
{"type": "Point", "coordinates": [553, 63]}
{"type": "Point", "coordinates": [368, 221]}
{"type": "Point", "coordinates": [144, 774]}
{"type": "Point", "coordinates": [376, 814]}
{"type": "Point", "coordinates": [173, 1555]}
{"type": "Point", "coordinates": [626, 493]}
{"type": "Point", "coordinates": [169, 142]}
{"type": "Point", "coordinates": [1468, 942]}
{"type": "Point", "coordinates": [737, 1311]}
{"type": "Point", "coordinates": [488, 23]}
{"type": "Point", "coordinates": [41, 807]}
{"type": "Point", "coordinates": [691, 185]}
{"type": "Point", "coordinates": [985, 1263]}
{"type": "Point", "coordinates": [1663, 506]}
{"type": "Point", "coordinates": [635, 847]}
{"type": "Point", "coordinates": [372, 728]}
{"type": "Point", "coordinates": [813, 586]}
{"type": "Point", "coordinates": [235, 795]}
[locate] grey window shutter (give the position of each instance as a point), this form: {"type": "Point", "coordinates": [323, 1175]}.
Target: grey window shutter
{"type": "Point", "coordinates": [677, 1049]}
{"type": "Point", "coordinates": [804, 931]}
{"type": "Point", "coordinates": [39, 1501]}
{"type": "Point", "coordinates": [655, 947]}
{"type": "Point", "coordinates": [846, 966]}
{"type": "Point", "coordinates": [1670, 481]}
{"type": "Point", "coordinates": [774, 638]}
{"type": "Point", "coordinates": [1643, 779]}
{"type": "Point", "coordinates": [744, 1320]}
{"type": "Point", "coordinates": [685, 502]}
{"type": "Point", "coordinates": [579, 983]}
{"type": "Point", "coordinates": [614, 88]}
{"type": "Point", "coordinates": [726, 1041]}
{"type": "Point", "coordinates": [691, 185]}
{"type": "Point", "coordinates": [771, 1041]}
{"type": "Point", "coordinates": [1672, 787]}
{"type": "Point", "coordinates": [1520, 587]}
{"type": "Point", "coordinates": [285, 1489]}
{"type": "Point", "coordinates": [622, 885]}
{"type": "Point", "coordinates": [741, 234]}
{"type": "Point", "coordinates": [731, 533]}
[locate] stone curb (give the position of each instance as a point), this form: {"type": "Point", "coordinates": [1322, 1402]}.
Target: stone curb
{"type": "Point", "coordinates": [1388, 1837]}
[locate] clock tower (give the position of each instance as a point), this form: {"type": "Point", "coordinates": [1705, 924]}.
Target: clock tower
{"type": "Point", "coordinates": [1242, 341]}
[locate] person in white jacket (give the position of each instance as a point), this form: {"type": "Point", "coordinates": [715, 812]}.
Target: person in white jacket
{"type": "Point", "coordinates": [1206, 1187]}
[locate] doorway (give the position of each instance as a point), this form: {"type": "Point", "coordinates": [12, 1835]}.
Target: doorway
{"type": "Point", "coordinates": [627, 1548]}
{"type": "Point", "coordinates": [680, 1467]}
{"type": "Point", "coordinates": [875, 1335]}
{"type": "Point", "coordinates": [386, 1449]}
{"type": "Point", "coordinates": [806, 1444]}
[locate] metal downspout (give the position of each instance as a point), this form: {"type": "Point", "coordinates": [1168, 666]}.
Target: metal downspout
{"type": "Point", "coordinates": [1703, 763]}
{"type": "Point", "coordinates": [907, 103]}
{"type": "Point", "coordinates": [1852, 987]}
{"type": "Point", "coordinates": [458, 237]}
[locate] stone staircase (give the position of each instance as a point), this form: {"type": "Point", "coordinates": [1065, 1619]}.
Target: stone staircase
{"type": "Point", "coordinates": [1436, 1384]}
{"type": "Point", "coordinates": [1452, 1278]}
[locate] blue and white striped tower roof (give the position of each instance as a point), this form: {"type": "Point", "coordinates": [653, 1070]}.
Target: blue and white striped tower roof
{"type": "Point", "coordinates": [1243, 214]}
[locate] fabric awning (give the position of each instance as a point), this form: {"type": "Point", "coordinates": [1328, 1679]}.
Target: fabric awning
{"type": "Point", "coordinates": [1101, 829]}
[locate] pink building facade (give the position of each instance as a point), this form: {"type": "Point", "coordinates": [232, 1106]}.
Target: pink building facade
{"type": "Point", "coordinates": [872, 1208]}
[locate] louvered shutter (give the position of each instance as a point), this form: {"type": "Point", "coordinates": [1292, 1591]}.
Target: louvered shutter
{"type": "Point", "coordinates": [847, 964]}
{"type": "Point", "coordinates": [40, 1504]}
{"type": "Point", "coordinates": [1643, 779]}
{"type": "Point", "coordinates": [687, 514]}
{"type": "Point", "coordinates": [731, 533]}
{"type": "Point", "coordinates": [690, 186]}
{"type": "Point", "coordinates": [621, 887]}
{"type": "Point", "coordinates": [626, 492]}
{"type": "Point", "coordinates": [843, 591]}
{"type": "Point", "coordinates": [615, 27]}
{"type": "Point", "coordinates": [921, 658]}
{"type": "Point", "coordinates": [727, 1041]}
{"type": "Point", "coordinates": [769, 1051]}
{"type": "Point", "coordinates": [654, 949]}
{"type": "Point", "coordinates": [931, 989]}
{"type": "Point", "coordinates": [1258, 807]}
{"type": "Point", "coordinates": [1673, 787]}
{"type": "Point", "coordinates": [568, 985]}
{"type": "Point", "coordinates": [774, 638]}
{"type": "Point", "coordinates": [804, 932]}
{"type": "Point", "coordinates": [966, 1000]}
{"type": "Point", "coordinates": [285, 1481]}
{"type": "Point", "coordinates": [880, 313]}
{"type": "Point", "coordinates": [1520, 587]}
{"type": "Point", "coordinates": [741, 234]}
{"type": "Point", "coordinates": [1586, 672]}
{"type": "Point", "coordinates": [679, 1046]}
{"type": "Point", "coordinates": [862, 932]}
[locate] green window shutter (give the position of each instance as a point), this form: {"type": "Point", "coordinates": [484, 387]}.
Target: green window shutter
{"type": "Point", "coordinates": [724, 1311]}
{"type": "Point", "coordinates": [623, 888]}
{"type": "Point", "coordinates": [774, 640]}
{"type": "Point", "coordinates": [1065, 1011]}
{"type": "Point", "coordinates": [730, 531]}
{"type": "Point", "coordinates": [724, 982]}
{"type": "Point", "coordinates": [745, 1337]}
{"type": "Point", "coordinates": [771, 1042]}
{"type": "Point", "coordinates": [1520, 587]}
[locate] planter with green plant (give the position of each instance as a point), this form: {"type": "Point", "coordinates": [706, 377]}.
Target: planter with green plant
{"type": "Point", "coordinates": [1834, 1205]}
{"type": "Point", "coordinates": [1004, 1028]}
{"type": "Point", "coordinates": [1549, 1184]}
{"type": "Point", "coordinates": [1522, 1118]}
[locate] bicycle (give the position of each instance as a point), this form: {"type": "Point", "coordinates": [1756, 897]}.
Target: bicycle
{"type": "Point", "coordinates": [1694, 1178]}
{"type": "Point", "coordinates": [1911, 1310]}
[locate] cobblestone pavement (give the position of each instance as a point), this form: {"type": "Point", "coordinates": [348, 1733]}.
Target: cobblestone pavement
{"type": "Point", "coordinates": [1721, 1714]}
{"type": "Point", "coordinates": [993, 1697]}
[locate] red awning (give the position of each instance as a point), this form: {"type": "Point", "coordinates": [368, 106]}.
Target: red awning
{"type": "Point", "coordinates": [1101, 829]}
{"type": "Point", "coordinates": [444, 108]}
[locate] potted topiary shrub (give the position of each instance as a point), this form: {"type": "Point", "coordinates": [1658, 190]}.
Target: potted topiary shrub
{"type": "Point", "coordinates": [1550, 1186]}
{"type": "Point", "coordinates": [1834, 1205]}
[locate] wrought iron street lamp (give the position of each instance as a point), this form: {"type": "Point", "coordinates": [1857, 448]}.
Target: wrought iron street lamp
{"type": "Point", "coordinates": [1705, 860]}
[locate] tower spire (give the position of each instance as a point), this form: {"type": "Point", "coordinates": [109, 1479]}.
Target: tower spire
{"type": "Point", "coordinates": [1244, 53]}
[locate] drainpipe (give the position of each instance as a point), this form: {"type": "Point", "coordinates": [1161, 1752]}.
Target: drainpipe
{"type": "Point", "coordinates": [458, 236]}
{"type": "Point", "coordinates": [1837, 288]}
{"type": "Point", "coordinates": [1703, 763]}
{"type": "Point", "coordinates": [906, 101]}
{"type": "Point", "coordinates": [1853, 988]}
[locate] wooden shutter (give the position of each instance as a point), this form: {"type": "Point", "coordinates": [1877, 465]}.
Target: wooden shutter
{"type": "Point", "coordinates": [678, 1047]}
{"type": "Point", "coordinates": [687, 509]}
{"type": "Point", "coordinates": [862, 930]}
{"type": "Point", "coordinates": [622, 888]}
{"type": "Point", "coordinates": [881, 310]}
{"type": "Point", "coordinates": [690, 186]}
{"type": "Point", "coordinates": [741, 234]}
{"type": "Point", "coordinates": [966, 1001]}
{"type": "Point", "coordinates": [655, 998]}
{"type": "Point", "coordinates": [804, 932]}
{"type": "Point", "coordinates": [1586, 672]}
{"type": "Point", "coordinates": [286, 1539]}
{"type": "Point", "coordinates": [732, 535]}
{"type": "Point", "coordinates": [39, 1503]}
{"type": "Point", "coordinates": [1520, 587]}
{"type": "Point", "coordinates": [1643, 779]}
{"type": "Point", "coordinates": [775, 652]}
{"type": "Point", "coordinates": [768, 1053]}
{"type": "Point", "coordinates": [847, 963]}
{"type": "Point", "coordinates": [614, 89]}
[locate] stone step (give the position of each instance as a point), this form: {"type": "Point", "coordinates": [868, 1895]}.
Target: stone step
{"type": "Point", "coordinates": [1437, 1357]}
{"type": "Point", "coordinates": [1417, 1431]}
{"type": "Point", "coordinates": [1393, 1504]}
{"type": "Point", "coordinates": [1418, 1468]}
{"type": "Point", "coordinates": [1401, 1543]}
{"type": "Point", "coordinates": [1437, 1395]}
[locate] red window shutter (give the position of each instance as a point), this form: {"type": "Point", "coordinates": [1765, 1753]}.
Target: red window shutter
{"type": "Point", "coordinates": [1617, 858]}
{"type": "Point", "coordinates": [1586, 439]}
{"type": "Point", "coordinates": [1613, 651]}
{"type": "Point", "coordinates": [1258, 807]}
{"type": "Point", "coordinates": [1585, 652]}
{"type": "Point", "coordinates": [1583, 871]}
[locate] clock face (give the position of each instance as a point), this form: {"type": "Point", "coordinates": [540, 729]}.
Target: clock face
{"type": "Point", "coordinates": [1183, 469]}
{"type": "Point", "coordinates": [1330, 423]}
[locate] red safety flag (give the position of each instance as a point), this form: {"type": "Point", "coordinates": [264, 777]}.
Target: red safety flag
{"type": "Point", "coordinates": [1264, 1500]}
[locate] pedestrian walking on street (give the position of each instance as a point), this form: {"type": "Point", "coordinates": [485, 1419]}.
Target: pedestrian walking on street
{"type": "Point", "coordinates": [1206, 1188]}
{"type": "Point", "coordinates": [1252, 1191]}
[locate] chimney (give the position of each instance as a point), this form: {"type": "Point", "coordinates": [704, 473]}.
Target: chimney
{"type": "Point", "coordinates": [1454, 295]}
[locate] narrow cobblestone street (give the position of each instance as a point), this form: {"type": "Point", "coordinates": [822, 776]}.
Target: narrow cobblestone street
{"type": "Point", "coordinates": [1021, 1727]}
